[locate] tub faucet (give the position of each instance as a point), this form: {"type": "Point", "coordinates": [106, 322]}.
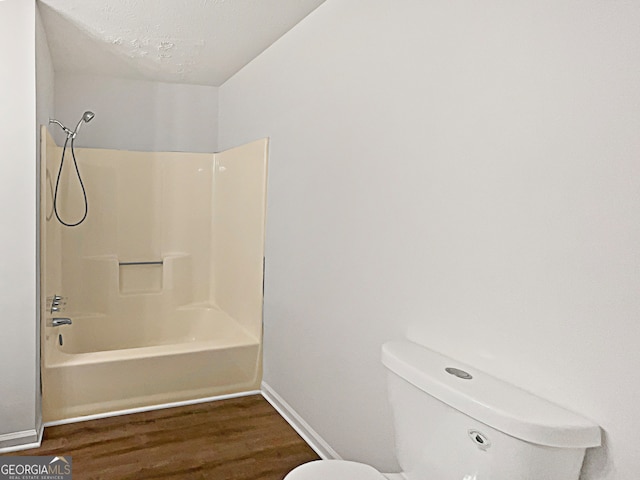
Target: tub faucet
{"type": "Point", "coordinates": [56, 322]}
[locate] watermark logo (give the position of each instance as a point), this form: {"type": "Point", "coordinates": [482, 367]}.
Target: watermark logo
{"type": "Point", "coordinates": [35, 468]}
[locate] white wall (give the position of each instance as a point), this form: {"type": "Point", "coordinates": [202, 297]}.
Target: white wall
{"type": "Point", "coordinates": [45, 77]}
{"type": "Point", "coordinates": [466, 169]}
{"type": "Point", "coordinates": [138, 115]}
{"type": "Point", "coordinates": [18, 281]}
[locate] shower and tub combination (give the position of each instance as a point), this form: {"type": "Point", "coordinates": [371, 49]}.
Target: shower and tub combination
{"type": "Point", "coordinates": [153, 294]}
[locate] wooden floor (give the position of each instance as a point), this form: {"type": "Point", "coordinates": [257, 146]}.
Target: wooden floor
{"type": "Point", "coordinates": [237, 439]}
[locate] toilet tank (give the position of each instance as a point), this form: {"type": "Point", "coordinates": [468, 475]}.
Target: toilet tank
{"type": "Point", "coordinates": [453, 422]}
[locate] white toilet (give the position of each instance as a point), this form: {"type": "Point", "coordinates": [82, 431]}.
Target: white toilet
{"type": "Point", "coordinates": [453, 422]}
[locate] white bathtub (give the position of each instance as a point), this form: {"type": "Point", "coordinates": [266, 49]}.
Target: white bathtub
{"type": "Point", "coordinates": [101, 364]}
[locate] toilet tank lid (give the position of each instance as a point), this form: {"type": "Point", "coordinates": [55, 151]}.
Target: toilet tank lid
{"type": "Point", "coordinates": [489, 400]}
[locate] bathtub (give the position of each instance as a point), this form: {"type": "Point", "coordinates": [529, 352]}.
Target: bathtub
{"type": "Point", "coordinates": [163, 282]}
{"type": "Point", "coordinates": [103, 364]}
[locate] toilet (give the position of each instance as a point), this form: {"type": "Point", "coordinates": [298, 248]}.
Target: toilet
{"type": "Point", "coordinates": [453, 422]}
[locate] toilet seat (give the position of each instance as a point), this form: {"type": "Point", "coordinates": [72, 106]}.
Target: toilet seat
{"type": "Point", "coordinates": [334, 470]}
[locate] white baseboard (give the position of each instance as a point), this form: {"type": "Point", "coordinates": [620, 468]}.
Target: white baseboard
{"type": "Point", "coordinates": [308, 434]}
{"type": "Point", "coordinates": [150, 408]}
{"type": "Point", "coordinates": [14, 442]}
{"type": "Point", "coordinates": [28, 439]}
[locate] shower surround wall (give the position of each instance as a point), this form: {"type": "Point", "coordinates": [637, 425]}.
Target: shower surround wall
{"type": "Point", "coordinates": [163, 281]}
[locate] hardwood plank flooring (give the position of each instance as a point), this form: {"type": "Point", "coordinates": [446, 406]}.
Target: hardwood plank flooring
{"type": "Point", "coordinates": [237, 439]}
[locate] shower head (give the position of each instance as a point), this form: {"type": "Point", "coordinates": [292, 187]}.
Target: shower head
{"type": "Point", "coordinates": [86, 117]}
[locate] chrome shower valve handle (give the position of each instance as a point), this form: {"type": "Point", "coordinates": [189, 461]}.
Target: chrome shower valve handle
{"type": "Point", "coordinates": [56, 322]}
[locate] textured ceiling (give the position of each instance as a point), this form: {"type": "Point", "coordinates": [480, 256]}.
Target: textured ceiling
{"type": "Point", "coordinates": [182, 41]}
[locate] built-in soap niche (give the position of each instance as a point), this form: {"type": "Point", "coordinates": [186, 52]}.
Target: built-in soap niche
{"type": "Point", "coordinates": [140, 277]}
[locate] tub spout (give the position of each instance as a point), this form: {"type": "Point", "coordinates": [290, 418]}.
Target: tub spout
{"type": "Point", "coordinates": [56, 322]}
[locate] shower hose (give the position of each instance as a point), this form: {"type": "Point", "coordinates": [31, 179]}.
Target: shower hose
{"type": "Point", "coordinates": [84, 192]}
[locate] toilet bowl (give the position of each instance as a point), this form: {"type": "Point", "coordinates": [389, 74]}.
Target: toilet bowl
{"type": "Point", "coordinates": [453, 422]}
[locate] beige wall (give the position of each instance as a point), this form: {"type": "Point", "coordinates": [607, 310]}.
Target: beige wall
{"type": "Point", "coordinates": [469, 167]}
{"type": "Point", "coordinates": [142, 207]}
{"type": "Point", "coordinates": [239, 202]}
{"type": "Point", "coordinates": [201, 214]}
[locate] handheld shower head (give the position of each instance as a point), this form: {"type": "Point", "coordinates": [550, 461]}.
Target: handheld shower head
{"type": "Point", "coordinates": [86, 117]}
